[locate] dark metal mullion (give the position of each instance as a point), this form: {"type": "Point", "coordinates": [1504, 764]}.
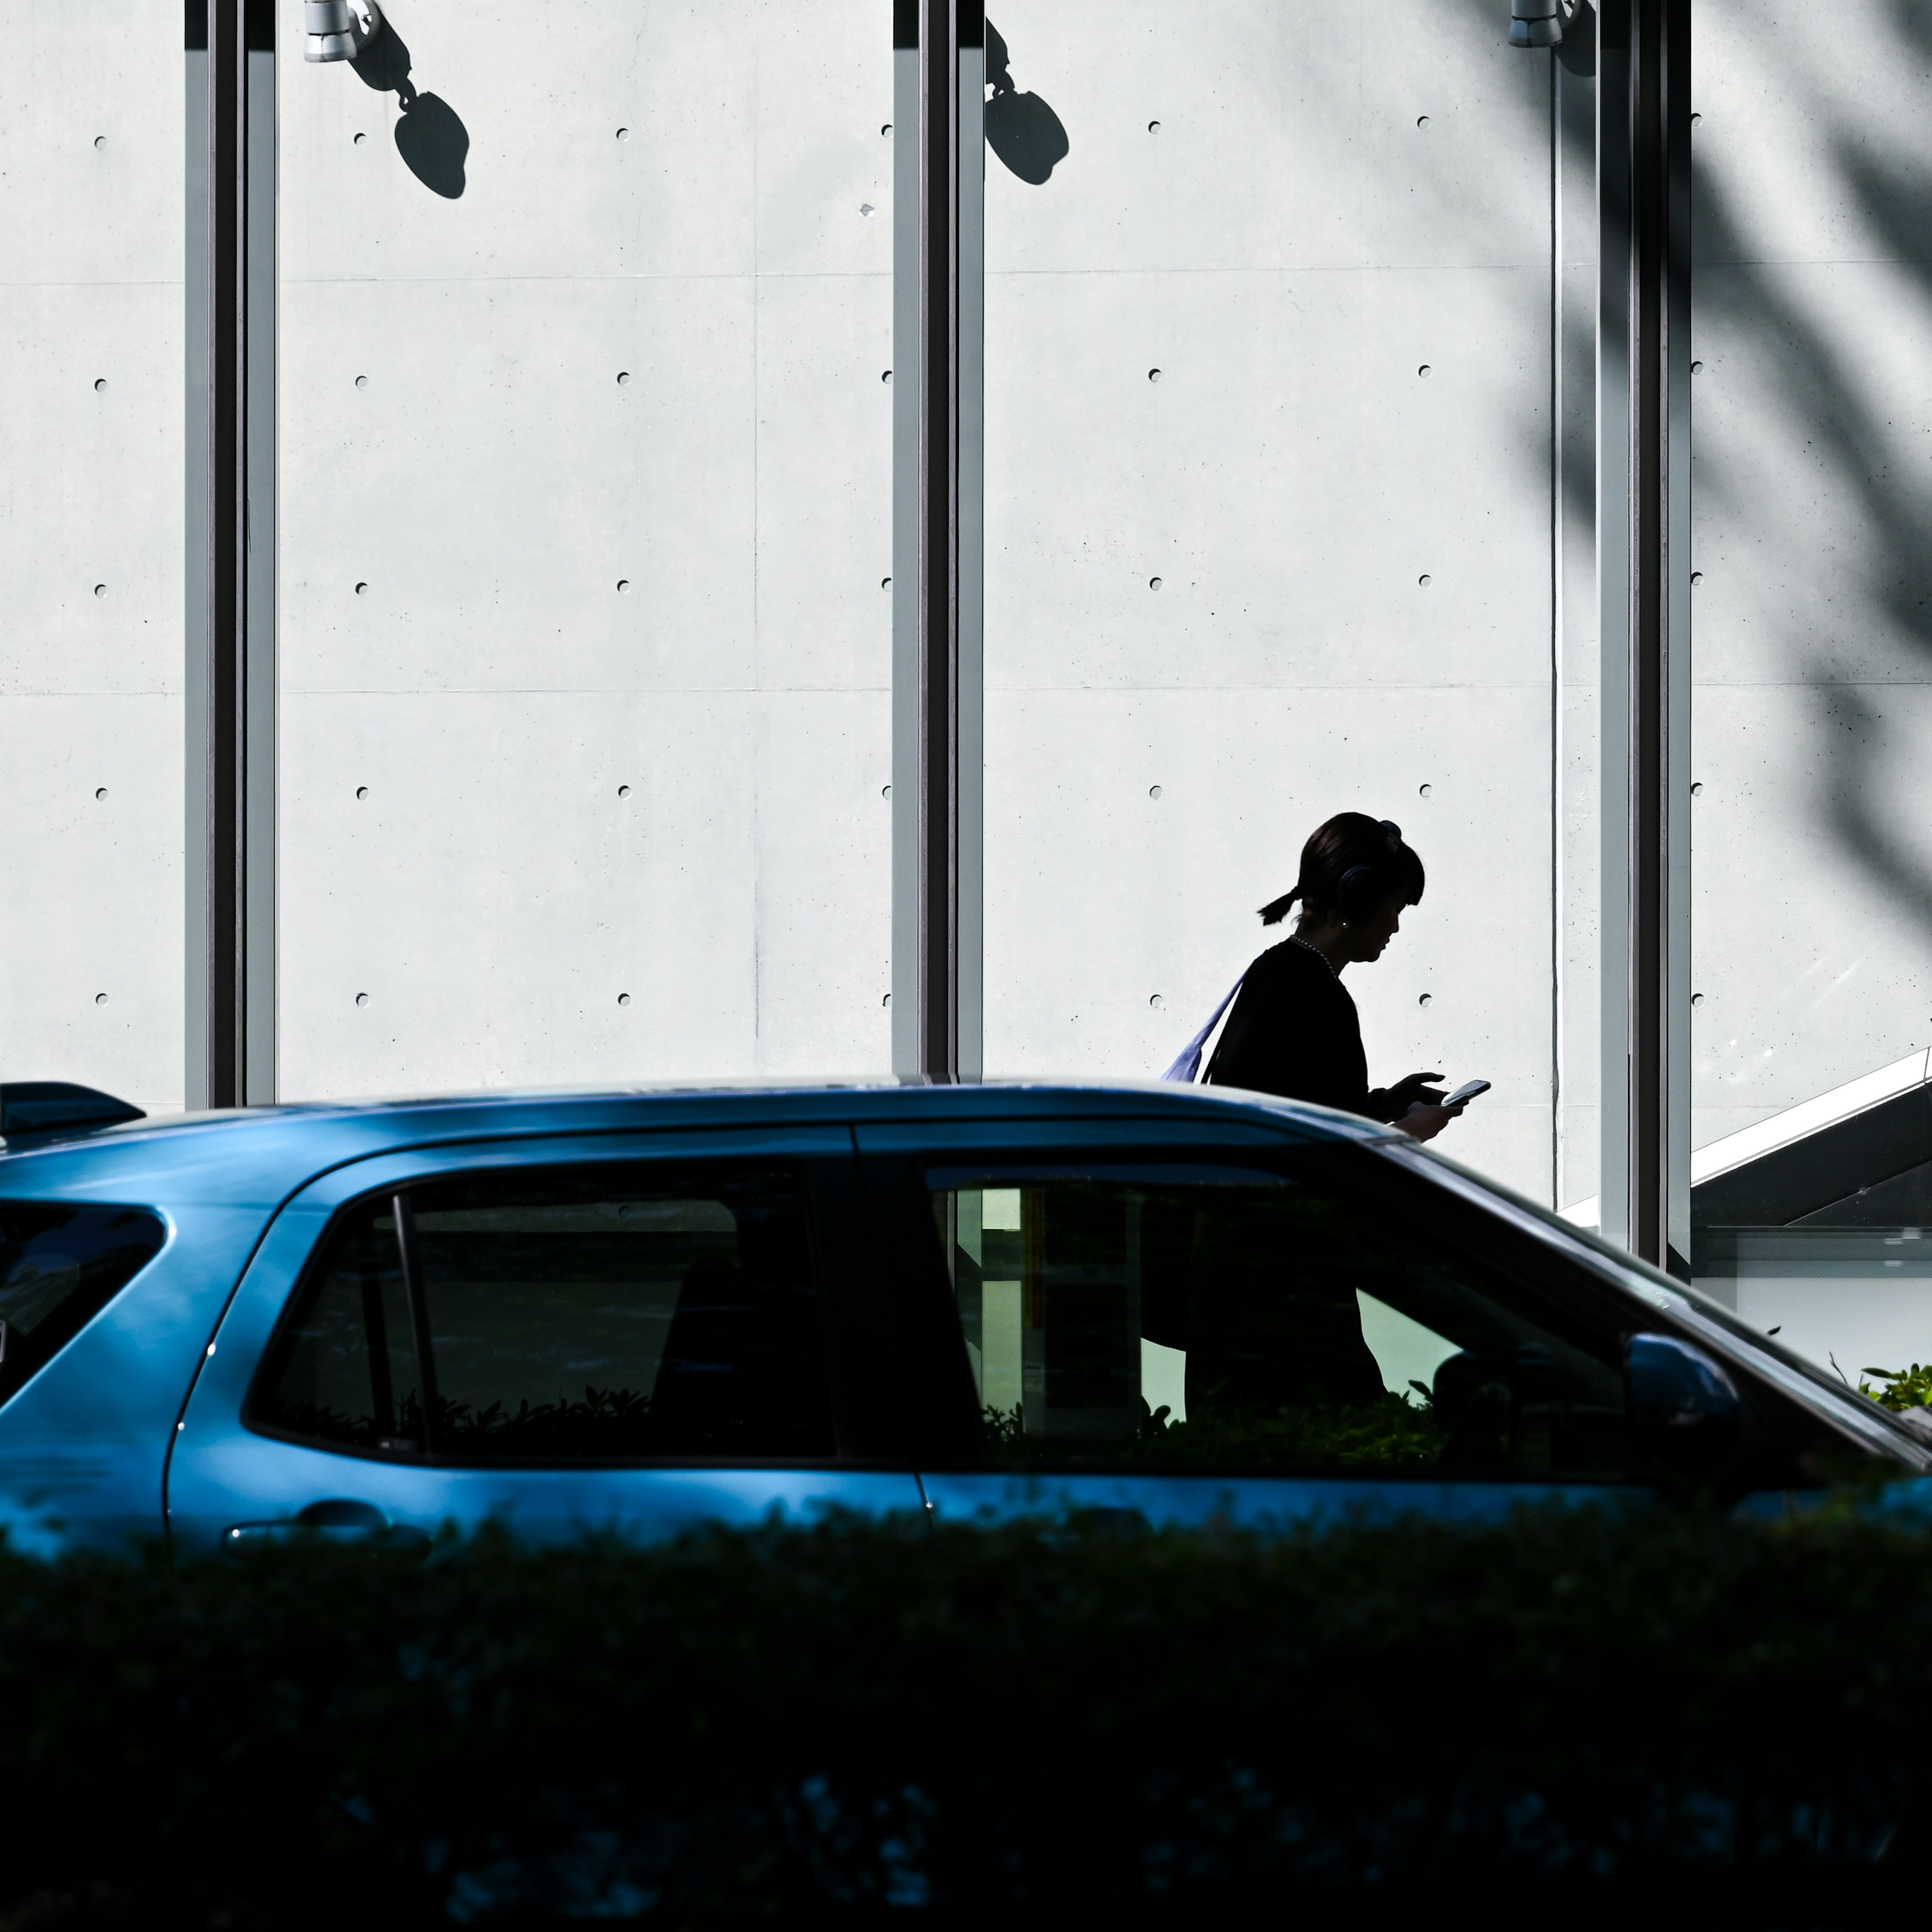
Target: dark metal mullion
{"type": "Point", "coordinates": [938, 1027]}
{"type": "Point", "coordinates": [222, 855]}
{"type": "Point", "coordinates": [419, 1336]}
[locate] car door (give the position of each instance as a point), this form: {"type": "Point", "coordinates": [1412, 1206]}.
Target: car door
{"type": "Point", "coordinates": [1191, 1322]}
{"type": "Point", "coordinates": [639, 1333]}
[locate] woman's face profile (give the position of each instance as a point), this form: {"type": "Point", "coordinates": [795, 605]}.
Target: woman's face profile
{"type": "Point", "coordinates": [1370, 934]}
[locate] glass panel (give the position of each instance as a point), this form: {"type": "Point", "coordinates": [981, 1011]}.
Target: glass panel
{"type": "Point", "coordinates": [1215, 1316]}
{"type": "Point", "coordinates": [92, 393]}
{"type": "Point", "coordinates": [584, 449]}
{"type": "Point", "coordinates": [58, 1265]}
{"type": "Point", "coordinates": [1288, 463]}
{"type": "Point", "coordinates": [1812, 1172]}
{"type": "Point", "coordinates": [344, 1371]}
{"type": "Point", "coordinates": [619, 1312]}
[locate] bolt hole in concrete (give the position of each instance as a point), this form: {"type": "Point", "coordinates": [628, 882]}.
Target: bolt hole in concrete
{"type": "Point", "coordinates": [1697, 576]}
{"type": "Point", "coordinates": [1153, 127]}
{"type": "Point", "coordinates": [361, 999]}
{"type": "Point", "coordinates": [100, 383]}
{"type": "Point", "coordinates": [361, 791]}
{"type": "Point", "coordinates": [1696, 368]}
{"type": "Point", "coordinates": [1154, 584]}
{"type": "Point", "coordinates": [623, 791]}
{"type": "Point", "coordinates": [361, 139]}
{"type": "Point", "coordinates": [623, 999]}
{"type": "Point", "coordinates": [1422, 120]}
{"type": "Point", "coordinates": [1697, 791]}
{"type": "Point", "coordinates": [361, 382]}
{"type": "Point", "coordinates": [100, 590]}
{"type": "Point", "coordinates": [1426, 791]}
{"type": "Point", "coordinates": [1154, 791]}
{"type": "Point", "coordinates": [885, 583]}
{"type": "Point", "coordinates": [623, 586]}
{"type": "Point", "coordinates": [102, 793]}
{"type": "Point", "coordinates": [886, 791]}
{"type": "Point", "coordinates": [1424, 580]}
{"type": "Point", "coordinates": [100, 140]}
{"type": "Point", "coordinates": [1697, 120]}
{"type": "Point", "coordinates": [1153, 375]}
{"type": "Point", "coordinates": [887, 1001]}
{"type": "Point", "coordinates": [623, 377]}
{"type": "Point", "coordinates": [101, 999]}
{"type": "Point", "coordinates": [1425, 999]}
{"type": "Point", "coordinates": [885, 133]}
{"type": "Point", "coordinates": [886, 377]}
{"type": "Point", "coordinates": [362, 590]}
{"type": "Point", "coordinates": [1423, 371]}
{"type": "Point", "coordinates": [1156, 1001]}
{"type": "Point", "coordinates": [1696, 999]}
{"type": "Point", "coordinates": [623, 134]}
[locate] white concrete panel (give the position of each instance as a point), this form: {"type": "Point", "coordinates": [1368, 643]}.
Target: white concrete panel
{"type": "Point", "coordinates": [494, 483]}
{"type": "Point", "coordinates": [1812, 718]}
{"type": "Point", "coordinates": [91, 144]}
{"type": "Point", "coordinates": [1288, 135]}
{"type": "Point", "coordinates": [91, 976]}
{"type": "Point", "coordinates": [92, 150]}
{"type": "Point", "coordinates": [1812, 923]}
{"type": "Point", "coordinates": [1102, 899]}
{"type": "Point", "coordinates": [1290, 478]}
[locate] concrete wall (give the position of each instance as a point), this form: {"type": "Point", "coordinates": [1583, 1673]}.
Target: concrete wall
{"type": "Point", "coordinates": [457, 843]}
{"type": "Point", "coordinates": [91, 147]}
{"type": "Point", "coordinates": [1812, 728]}
{"type": "Point", "coordinates": [1333, 199]}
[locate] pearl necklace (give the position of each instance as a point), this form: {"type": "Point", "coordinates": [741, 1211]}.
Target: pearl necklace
{"type": "Point", "coordinates": [1295, 939]}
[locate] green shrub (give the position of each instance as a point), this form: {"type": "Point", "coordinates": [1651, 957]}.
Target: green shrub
{"type": "Point", "coordinates": [1581, 1713]}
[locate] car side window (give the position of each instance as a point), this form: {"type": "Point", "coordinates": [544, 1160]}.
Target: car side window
{"type": "Point", "coordinates": [1187, 1316]}
{"type": "Point", "coordinates": [60, 1263]}
{"type": "Point", "coordinates": [597, 1313]}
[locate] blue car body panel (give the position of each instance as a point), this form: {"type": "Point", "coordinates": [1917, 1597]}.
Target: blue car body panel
{"type": "Point", "coordinates": [140, 1413]}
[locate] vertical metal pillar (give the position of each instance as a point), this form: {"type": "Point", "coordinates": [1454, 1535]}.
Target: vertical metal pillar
{"type": "Point", "coordinates": [938, 329]}
{"type": "Point", "coordinates": [230, 487]}
{"type": "Point", "coordinates": [1644, 571]}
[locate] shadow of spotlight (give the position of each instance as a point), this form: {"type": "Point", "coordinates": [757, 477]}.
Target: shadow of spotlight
{"type": "Point", "coordinates": [430, 136]}
{"type": "Point", "coordinates": [1021, 128]}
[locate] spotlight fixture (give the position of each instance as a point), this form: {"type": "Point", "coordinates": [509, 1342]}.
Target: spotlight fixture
{"type": "Point", "coordinates": [338, 30]}
{"type": "Point", "coordinates": [1535, 23]}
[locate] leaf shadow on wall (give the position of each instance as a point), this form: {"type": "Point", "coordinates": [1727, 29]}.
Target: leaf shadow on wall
{"type": "Point", "coordinates": [430, 136]}
{"type": "Point", "coordinates": [1021, 128]}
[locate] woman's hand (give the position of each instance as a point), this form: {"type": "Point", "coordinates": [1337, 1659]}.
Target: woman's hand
{"type": "Point", "coordinates": [1426, 1119]}
{"type": "Point", "coordinates": [1414, 1086]}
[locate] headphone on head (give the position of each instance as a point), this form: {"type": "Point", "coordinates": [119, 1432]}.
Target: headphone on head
{"type": "Point", "coordinates": [1362, 887]}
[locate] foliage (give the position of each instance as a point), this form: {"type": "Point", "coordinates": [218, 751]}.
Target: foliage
{"type": "Point", "coordinates": [1902, 1388]}
{"type": "Point", "coordinates": [1392, 1433]}
{"type": "Point", "coordinates": [1569, 1717]}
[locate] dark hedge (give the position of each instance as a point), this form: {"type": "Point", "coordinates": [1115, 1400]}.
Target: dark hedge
{"type": "Point", "coordinates": [1575, 1717]}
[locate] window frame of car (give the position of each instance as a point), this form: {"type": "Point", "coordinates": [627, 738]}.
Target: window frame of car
{"type": "Point", "coordinates": [858, 1323]}
{"type": "Point", "coordinates": [1465, 1218]}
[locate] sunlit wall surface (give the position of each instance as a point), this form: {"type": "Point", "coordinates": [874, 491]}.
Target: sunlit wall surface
{"type": "Point", "coordinates": [1273, 429]}
{"type": "Point", "coordinates": [1813, 720]}
{"type": "Point", "coordinates": [92, 357]}
{"type": "Point", "coordinates": [585, 470]}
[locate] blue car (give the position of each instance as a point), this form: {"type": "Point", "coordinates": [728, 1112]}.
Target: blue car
{"type": "Point", "coordinates": [645, 1310]}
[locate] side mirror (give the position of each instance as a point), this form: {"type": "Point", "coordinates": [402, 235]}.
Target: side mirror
{"type": "Point", "coordinates": [1683, 1410]}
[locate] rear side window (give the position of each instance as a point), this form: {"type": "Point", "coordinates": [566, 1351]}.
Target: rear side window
{"type": "Point", "coordinates": [58, 1265]}
{"type": "Point", "coordinates": [593, 1314]}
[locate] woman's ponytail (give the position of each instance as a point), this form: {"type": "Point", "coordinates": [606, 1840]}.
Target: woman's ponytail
{"type": "Point", "coordinates": [1276, 910]}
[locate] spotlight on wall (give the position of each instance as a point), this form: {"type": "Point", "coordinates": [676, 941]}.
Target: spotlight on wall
{"type": "Point", "coordinates": [1533, 23]}
{"type": "Point", "coordinates": [339, 30]}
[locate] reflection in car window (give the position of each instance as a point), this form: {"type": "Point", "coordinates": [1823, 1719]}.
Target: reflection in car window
{"type": "Point", "coordinates": [572, 1314]}
{"type": "Point", "coordinates": [1162, 1318]}
{"type": "Point", "coordinates": [59, 1264]}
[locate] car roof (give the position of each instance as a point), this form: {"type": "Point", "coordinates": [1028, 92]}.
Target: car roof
{"type": "Point", "coordinates": [259, 1155]}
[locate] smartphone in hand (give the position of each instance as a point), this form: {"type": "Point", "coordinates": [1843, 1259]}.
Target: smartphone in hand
{"type": "Point", "coordinates": [1467, 1090]}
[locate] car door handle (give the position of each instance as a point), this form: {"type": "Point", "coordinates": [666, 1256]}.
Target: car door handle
{"type": "Point", "coordinates": [335, 1519]}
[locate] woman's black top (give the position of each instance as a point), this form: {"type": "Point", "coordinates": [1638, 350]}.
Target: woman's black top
{"type": "Point", "coordinates": [1293, 1031]}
